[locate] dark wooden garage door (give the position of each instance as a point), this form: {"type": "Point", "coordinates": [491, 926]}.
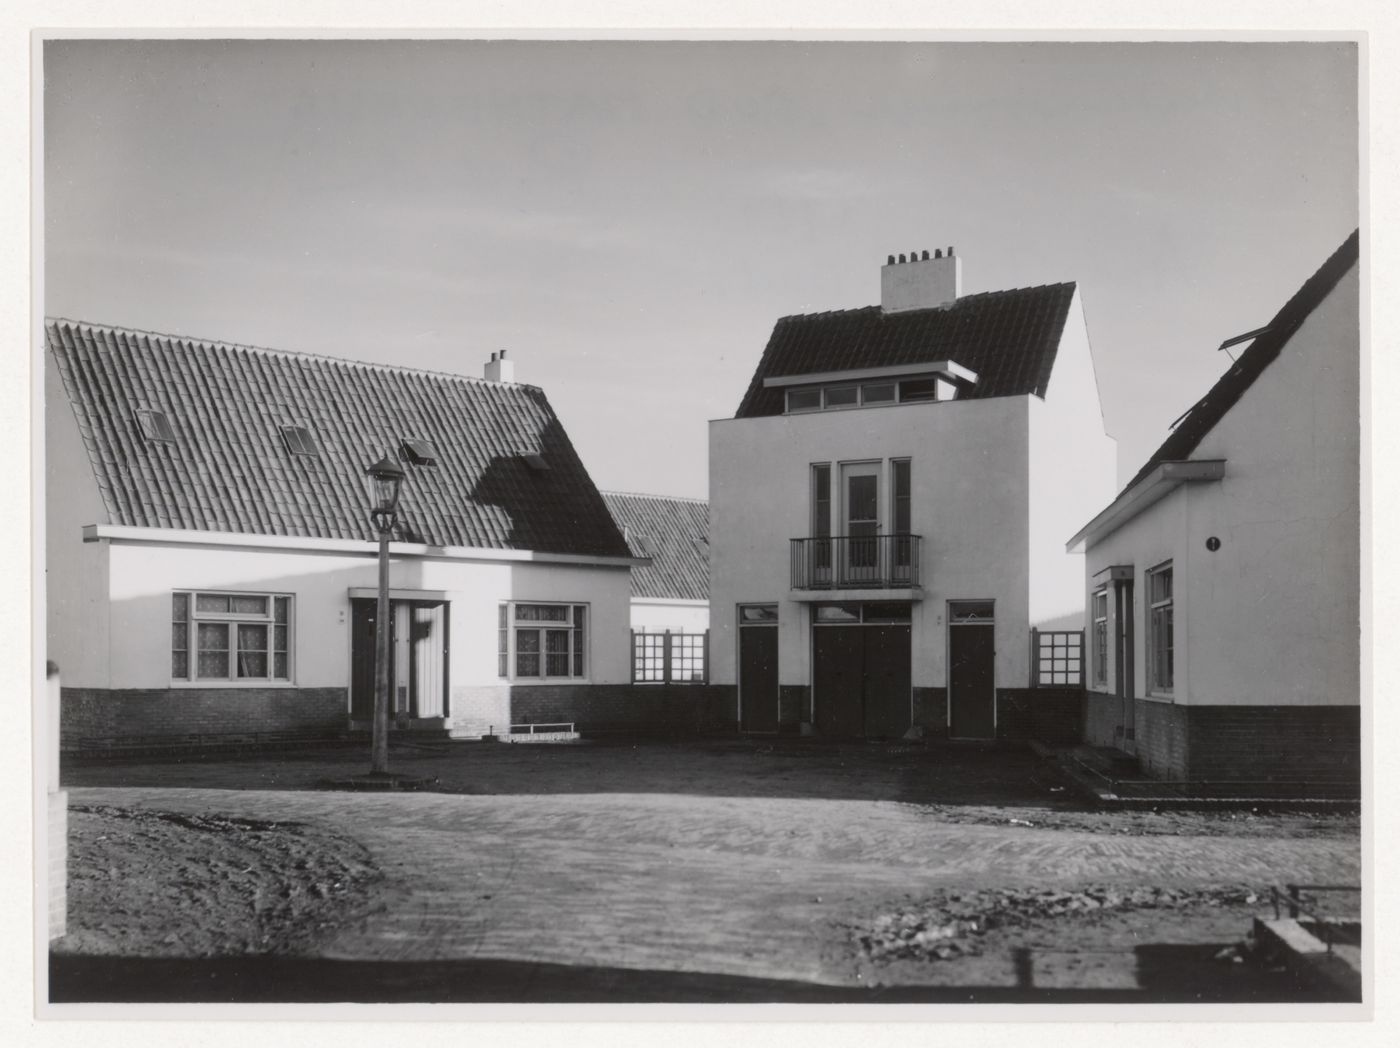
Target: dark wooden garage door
{"type": "Point", "coordinates": [861, 680]}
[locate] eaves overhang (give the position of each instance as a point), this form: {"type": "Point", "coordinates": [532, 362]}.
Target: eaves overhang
{"type": "Point", "coordinates": [949, 368]}
{"type": "Point", "coordinates": [296, 543]}
{"type": "Point", "coordinates": [1162, 481]}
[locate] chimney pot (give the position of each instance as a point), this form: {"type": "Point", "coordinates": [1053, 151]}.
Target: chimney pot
{"type": "Point", "coordinates": [925, 255]}
{"type": "Point", "coordinates": [901, 259]}
{"type": "Point", "coordinates": [950, 252]}
{"type": "Point", "coordinates": [499, 369]}
{"type": "Point", "coordinates": [938, 252]}
{"type": "Point", "coordinates": [891, 261]}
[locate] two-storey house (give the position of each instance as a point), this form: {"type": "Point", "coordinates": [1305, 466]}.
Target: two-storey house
{"type": "Point", "coordinates": [888, 509]}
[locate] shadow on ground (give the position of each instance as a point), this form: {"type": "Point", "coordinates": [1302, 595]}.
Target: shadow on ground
{"type": "Point", "coordinates": [1167, 974]}
{"type": "Point", "coordinates": [795, 768]}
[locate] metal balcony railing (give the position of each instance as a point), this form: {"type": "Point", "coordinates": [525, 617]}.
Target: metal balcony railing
{"type": "Point", "coordinates": [852, 562]}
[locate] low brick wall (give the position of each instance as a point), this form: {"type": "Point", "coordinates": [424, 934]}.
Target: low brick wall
{"type": "Point", "coordinates": [1053, 715]}
{"type": "Point", "coordinates": [931, 712]}
{"type": "Point", "coordinates": [690, 708]}
{"type": "Point", "coordinates": [101, 712]}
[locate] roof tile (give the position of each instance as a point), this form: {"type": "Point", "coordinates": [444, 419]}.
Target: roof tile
{"type": "Point", "coordinates": [229, 470]}
{"type": "Point", "coordinates": [676, 531]}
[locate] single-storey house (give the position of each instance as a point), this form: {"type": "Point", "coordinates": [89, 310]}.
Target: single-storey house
{"type": "Point", "coordinates": [1222, 585]}
{"type": "Point", "coordinates": [211, 563]}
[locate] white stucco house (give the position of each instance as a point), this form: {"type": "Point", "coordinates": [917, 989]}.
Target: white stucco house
{"type": "Point", "coordinates": [1223, 582]}
{"type": "Point", "coordinates": [888, 508]}
{"type": "Point", "coordinates": [211, 566]}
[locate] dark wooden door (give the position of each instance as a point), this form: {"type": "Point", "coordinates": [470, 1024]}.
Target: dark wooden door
{"type": "Point", "coordinates": [971, 686]}
{"type": "Point", "coordinates": [861, 680]}
{"type": "Point", "coordinates": [887, 680]}
{"type": "Point", "coordinates": [362, 621]}
{"type": "Point", "coordinates": [758, 678]}
{"type": "Point", "coordinates": [838, 670]}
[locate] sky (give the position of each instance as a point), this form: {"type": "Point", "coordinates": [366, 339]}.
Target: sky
{"type": "Point", "coordinates": [629, 219]}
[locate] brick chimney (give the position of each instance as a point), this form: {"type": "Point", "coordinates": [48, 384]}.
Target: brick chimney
{"type": "Point", "coordinates": [920, 283]}
{"type": "Point", "coordinates": [499, 369]}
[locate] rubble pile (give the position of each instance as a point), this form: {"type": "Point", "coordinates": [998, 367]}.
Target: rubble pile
{"type": "Point", "coordinates": [953, 924]}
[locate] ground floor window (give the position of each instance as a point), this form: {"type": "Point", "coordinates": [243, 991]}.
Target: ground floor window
{"type": "Point", "coordinates": [1101, 636]}
{"type": "Point", "coordinates": [225, 636]}
{"type": "Point", "coordinates": [1160, 628]}
{"type": "Point", "coordinates": [541, 641]}
{"type": "Point", "coordinates": [670, 657]}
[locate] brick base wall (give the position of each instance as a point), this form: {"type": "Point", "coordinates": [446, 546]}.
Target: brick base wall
{"type": "Point", "coordinates": [1052, 715]}
{"type": "Point", "coordinates": [1160, 739]}
{"type": "Point", "coordinates": [100, 712]}
{"type": "Point", "coordinates": [1102, 719]}
{"type": "Point", "coordinates": [1261, 743]}
{"type": "Point", "coordinates": [1232, 743]}
{"type": "Point", "coordinates": [794, 706]}
{"type": "Point", "coordinates": [689, 708]}
{"type": "Point", "coordinates": [931, 712]}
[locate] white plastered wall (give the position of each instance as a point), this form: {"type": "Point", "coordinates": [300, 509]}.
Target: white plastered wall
{"type": "Point", "coordinates": [657, 616]}
{"type": "Point", "coordinates": [1072, 476]}
{"type": "Point", "coordinates": [969, 503]}
{"type": "Point", "coordinates": [142, 577]}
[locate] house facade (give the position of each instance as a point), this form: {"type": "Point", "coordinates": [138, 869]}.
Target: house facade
{"type": "Point", "coordinates": [887, 509]}
{"type": "Point", "coordinates": [211, 566]}
{"type": "Point", "coordinates": [1223, 583]}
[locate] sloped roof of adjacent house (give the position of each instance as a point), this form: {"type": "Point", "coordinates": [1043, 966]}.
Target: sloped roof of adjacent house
{"type": "Point", "coordinates": [1009, 338]}
{"type": "Point", "coordinates": [674, 533]}
{"type": "Point", "coordinates": [1262, 352]}
{"type": "Point", "coordinates": [229, 466]}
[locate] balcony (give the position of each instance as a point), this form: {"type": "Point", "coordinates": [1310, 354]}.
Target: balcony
{"type": "Point", "coordinates": [856, 563]}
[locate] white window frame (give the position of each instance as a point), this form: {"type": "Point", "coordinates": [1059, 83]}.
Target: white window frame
{"type": "Point", "coordinates": [509, 628]}
{"type": "Point", "coordinates": [1154, 684]}
{"type": "Point", "coordinates": [232, 620]}
{"type": "Point", "coordinates": [1099, 642]}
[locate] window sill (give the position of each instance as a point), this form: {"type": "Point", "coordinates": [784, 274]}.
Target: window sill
{"type": "Point", "coordinates": [543, 680]}
{"type": "Point", "coordinates": [235, 684]}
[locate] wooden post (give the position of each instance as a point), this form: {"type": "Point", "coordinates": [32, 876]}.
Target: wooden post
{"type": "Point", "coordinates": [379, 745]}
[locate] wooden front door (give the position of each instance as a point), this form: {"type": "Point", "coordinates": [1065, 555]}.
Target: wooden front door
{"type": "Point", "coordinates": [418, 658]}
{"type": "Point", "coordinates": [758, 669]}
{"type": "Point", "coordinates": [971, 670]}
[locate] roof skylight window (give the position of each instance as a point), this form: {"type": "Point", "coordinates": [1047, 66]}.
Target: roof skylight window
{"type": "Point", "coordinates": [419, 452]}
{"type": "Point", "coordinates": [537, 463]}
{"type": "Point", "coordinates": [299, 440]}
{"type": "Point", "coordinates": [155, 426]}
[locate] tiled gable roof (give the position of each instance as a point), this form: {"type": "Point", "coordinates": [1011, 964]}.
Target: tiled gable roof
{"type": "Point", "coordinates": [1262, 352]}
{"type": "Point", "coordinates": [1009, 338]}
{"type": "Point", "coordinates": [674, 532]}
{"type": "Point", "coordinates": [229, 470]}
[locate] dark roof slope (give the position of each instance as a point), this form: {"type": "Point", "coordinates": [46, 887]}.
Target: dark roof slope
{"type": "Point", "coordinates": [228, 468]}
{"type": "Point", "coordinates": [1008, 337]}
{"type": "Point", "coordinates": [674, 532]}
{"type": "Point", "coordinates": [1262, 352]}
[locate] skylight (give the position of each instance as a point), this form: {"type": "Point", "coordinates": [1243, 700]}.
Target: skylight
{"type": "Point", "coordinates": [155, 426]}
{"type": "Point", "coordinates": [537, 463]}
{"type": "Point", "coordinates": [299, 440]}
{"type": "Point", "coordinates": [419, 452]}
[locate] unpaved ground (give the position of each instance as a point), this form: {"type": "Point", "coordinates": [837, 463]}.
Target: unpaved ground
{"type": "Point", "coordinates": [739, 868]}
{"type": "Point", "coordinates": [163, 884]}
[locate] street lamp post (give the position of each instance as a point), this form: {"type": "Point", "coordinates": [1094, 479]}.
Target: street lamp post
{"type": "Point", "coordinates": [386, 476]}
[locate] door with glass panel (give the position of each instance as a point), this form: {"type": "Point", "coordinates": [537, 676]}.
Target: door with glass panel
{"type": "Point", "coordinates": [860, 512]}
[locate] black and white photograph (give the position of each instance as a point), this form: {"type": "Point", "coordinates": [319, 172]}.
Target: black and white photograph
{"type": "Point", "coordinates": [700, 521]}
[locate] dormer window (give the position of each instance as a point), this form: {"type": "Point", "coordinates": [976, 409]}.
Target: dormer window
{"type": "Point", "coordinates": [871, 387]}
{"type": "Point", "coordinates": [299, 440]}
{"type": "Point", "coordinates": [804, 400]}
{"type": "Point", "coordinates": [155, 427]}
{"type": "Point", "coordinates": [919, 389]}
